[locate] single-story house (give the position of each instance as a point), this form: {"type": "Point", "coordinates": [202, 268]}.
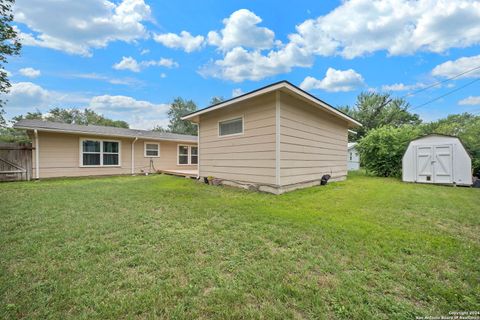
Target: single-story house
{"type": "Point", "coordinates": [69, 150]}
{"type": "Point", "coordinates": [353, 160]}
{"type": "Point", "coordinates": [437, 158]}
{"type": "Point", "coordinates": [275, 139]}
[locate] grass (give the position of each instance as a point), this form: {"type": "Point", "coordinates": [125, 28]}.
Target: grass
{"type": "Point", "coordinates": [167, 247]}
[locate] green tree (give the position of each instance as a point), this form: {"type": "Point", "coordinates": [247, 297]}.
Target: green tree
{"type": "Point", "coordinates": [375, 110]}
{"type": "Point", "coordinates": [382, 149]}
{"type": "Point", "coordinates": [216, 100]}
{"type": "Point", "coordinates": [9, 46]}
{"type": "Point", "coordinates": [465, 126]}
{"type": "Point", "coordinates": [178, 109]}
{"type": "Point", "coordinates": [76, 116]}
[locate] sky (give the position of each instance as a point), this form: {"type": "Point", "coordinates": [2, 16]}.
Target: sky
{"type": "Point", "coordinates": [129, 59]}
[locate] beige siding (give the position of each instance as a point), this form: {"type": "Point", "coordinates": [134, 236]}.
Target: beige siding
{"type": "Point", "coordinates": [249, 157]}
{"type": "Point", "coordinates": [313, 142]}
{"type": "Point", "coordinates": [60, 156]}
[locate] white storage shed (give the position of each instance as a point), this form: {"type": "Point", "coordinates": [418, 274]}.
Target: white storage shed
{"type": "Point", "coordinates": [353, 158]}
{"type": "Point", "coordinates": [439, 159]}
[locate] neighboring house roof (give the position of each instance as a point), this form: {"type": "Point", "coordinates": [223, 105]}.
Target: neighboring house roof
{"type": "Point", "coordinates": [351, 145]}
{"type": "Point", "coordinates": [49, 126]}
{"type": "Point", "coordinates": [284, 86]}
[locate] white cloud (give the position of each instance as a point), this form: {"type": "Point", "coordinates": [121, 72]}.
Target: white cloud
{"type": "Point", "coordinates": [360, 27]}
{"type": "Point", "coordinates": [129, 63]}
{"type": "Point", "coordinates": [29, 72]}
{"type": "Point", "coordinates": [163, 75]}
{"type": "Point", "coordinates": [184, 41]}
{"type": "Point", "coordinates": [454, 67]}
{"type": "Point", "coordinates": [77, 27]}
{"type": "Point", "coordinates": [239, 64]}
{"type": "Point", "coordinates": [470, 101]}
{"type": "Point", "coordinates": [100, 77]}
{"type": "Point", "coordinates": [163, 62]}
{"type": "Point", "coordinates": [241, 30]}
{"type": "Point", "coordinates": [403, 87]}
{"type": "Point", "coordinates": [28, 96]}
{"type": "Point", "coordinates": [335, 81]}
{"type": "Point", "coordinates": [237, 92]}
{"type": "Point", "coordinates": [118, 104]}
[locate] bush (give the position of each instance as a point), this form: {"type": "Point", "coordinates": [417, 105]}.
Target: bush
{"type": "Point", "coordinates": [382, 149]}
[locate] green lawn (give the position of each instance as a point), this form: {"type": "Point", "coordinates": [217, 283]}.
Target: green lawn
{"type": "Point", "coordinates": [168, 247]}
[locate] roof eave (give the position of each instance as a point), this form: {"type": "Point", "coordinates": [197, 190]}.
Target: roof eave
{"type": "Point", "coordinates": [100, 134]}
{"type": "Point", "coordinates": [352, 123]}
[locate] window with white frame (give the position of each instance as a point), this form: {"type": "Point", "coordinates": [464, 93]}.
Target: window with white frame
{"type": "Point", "coordinates": [99, 152]}
{"type": "Point", "coordinates": [187, 155]}
{"type": "Point", "coordinates": [152, 149]}
{"type": "Point", "coordinates": [230, 127]}
{"type": "Point", "coordinates": [193, 155]}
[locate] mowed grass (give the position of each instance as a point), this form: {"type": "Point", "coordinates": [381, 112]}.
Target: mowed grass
{"type": "Point", "coordinates": [168, 247]}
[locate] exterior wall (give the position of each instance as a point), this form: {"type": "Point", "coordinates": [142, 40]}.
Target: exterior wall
{"type": "Point", "coordinates": [353, 164]}
{"type": "Point", "coordinates": [312, 142]}
{"type": "Point", "coordinates": [59, 156]}
{"type": "Point", "coordinates": [249, 157]}
{"type": "Point", "coordinates": [462, 163]}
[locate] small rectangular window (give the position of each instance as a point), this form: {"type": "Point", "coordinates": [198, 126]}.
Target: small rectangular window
{"type": "Point", "coordinates": [182, 154]}
{"type": "Point", "coordinates": [230, 127]}
{"type": "Point", "coordinates": [110, 153]}
{"type": "Point", "coordinates": [152, 149]}
{"type": "Point", "coordinates": [194, 155]}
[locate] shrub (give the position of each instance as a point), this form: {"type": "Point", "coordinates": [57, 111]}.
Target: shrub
{"type": "Point", "coordinates": [382, 149]}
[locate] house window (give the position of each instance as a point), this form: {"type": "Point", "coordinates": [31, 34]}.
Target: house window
{"type": "Point", "coordinates": [351, 156]}
{"type": "Point", "coordinates": [187, 155]}
{"type": "Point", "coordinates": [230, 127]}
{"type": "Point", "coordinates": [194, 155]}
{"type": "Point", "coordinates": [152, 150]}
{"type": "Point", "coordinates": [99, 153]}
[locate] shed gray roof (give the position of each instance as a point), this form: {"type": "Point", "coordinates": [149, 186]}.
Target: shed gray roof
{"type": "Point", "coordinates": [41, 125]}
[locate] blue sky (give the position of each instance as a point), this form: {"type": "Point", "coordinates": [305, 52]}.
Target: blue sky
{"type": "Point", "coordinates": [129, 59]}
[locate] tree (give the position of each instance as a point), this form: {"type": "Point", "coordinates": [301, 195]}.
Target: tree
{"type": "Point", "coordinates": [382, 149]}
{"type": "Point", "coordinates": [216, 100]}
{"type": "Point", "coordinates": [465, 126]}
{"type": "Point", "coordinates": [178, 109]}
{"type": "Point", "coordinates": [9, 46]}
{"type": "Point", "coordinates": [75, 116]}
{"type": "Point", "coordinates": [375, 110]}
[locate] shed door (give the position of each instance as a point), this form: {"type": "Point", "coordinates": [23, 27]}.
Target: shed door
{"type": "Point", "coordinates": [442, 166]}
{"type": "Point", "coordinates": [424, 164]}
{"type": "Point", "coordinates": [434, 164]}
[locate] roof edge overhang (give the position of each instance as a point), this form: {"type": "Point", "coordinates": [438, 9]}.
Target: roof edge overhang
{"type": "Point", "coordinates": [283, 86]}
{"type": "Point", "coordinates": [100, 134]}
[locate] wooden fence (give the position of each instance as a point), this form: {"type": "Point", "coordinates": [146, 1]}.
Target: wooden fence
{"type": "Point", "coordinates": [15, 161]}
